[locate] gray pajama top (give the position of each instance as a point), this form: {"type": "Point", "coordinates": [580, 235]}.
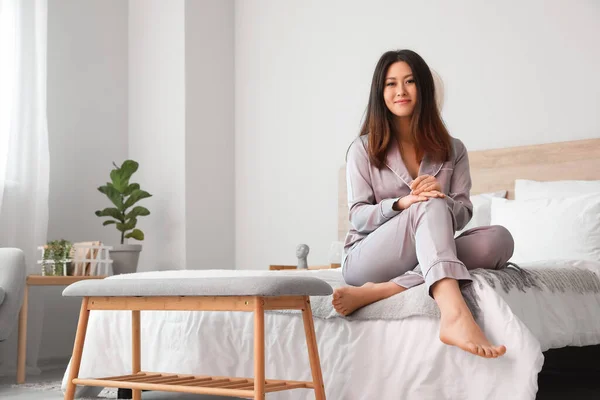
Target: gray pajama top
{"type": "Point", "coordinates": [372, 191]}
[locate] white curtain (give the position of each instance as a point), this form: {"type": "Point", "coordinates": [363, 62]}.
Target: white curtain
{"type": "Point", "coordinates": [24, 154]}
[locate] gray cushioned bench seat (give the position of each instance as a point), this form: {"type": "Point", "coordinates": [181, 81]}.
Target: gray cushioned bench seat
{"type": "Point", "coordinates": [240, 286]}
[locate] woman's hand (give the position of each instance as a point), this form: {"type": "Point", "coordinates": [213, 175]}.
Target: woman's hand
{"type": "Point", "coordinates": [406, 201]}
{"type": "Point", "coordinates": [425, 183]}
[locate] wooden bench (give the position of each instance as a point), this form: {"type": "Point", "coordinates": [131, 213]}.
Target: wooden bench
{"type": "Point", "coordinates": [252, 294]}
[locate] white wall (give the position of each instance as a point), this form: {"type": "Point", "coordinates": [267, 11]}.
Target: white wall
{"type": "Point", "coordinates": [515, 73]}
{"type": "Point", "coordinates": [157, 126]}
{"type": "Point", "coordinates": [87, 127]}
{"type": "Point", "coordinates": [209, 134]}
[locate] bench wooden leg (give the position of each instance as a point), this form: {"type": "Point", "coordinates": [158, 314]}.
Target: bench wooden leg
{"type": "Point", "coordinates": [84, 316]}
{"type": "Point", "coordinates": [259, 349]}
{"type": "Point", "coordinates": [136, 350]}
{"type": "Point", "coordinates": [313, 351]}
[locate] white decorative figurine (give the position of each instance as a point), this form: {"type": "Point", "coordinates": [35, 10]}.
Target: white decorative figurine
{"type": "Point", "coordinates": [302, 252]}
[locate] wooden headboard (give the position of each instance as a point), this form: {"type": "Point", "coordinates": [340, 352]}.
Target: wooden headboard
{"type": "Point", "coordinates": [493, 170]}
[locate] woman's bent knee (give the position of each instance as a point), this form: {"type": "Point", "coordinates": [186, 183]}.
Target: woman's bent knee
{"type": "Point", "coordinates": [499, 245]}
{"type": "Point", "coordinates": [428, 205]}
{"type": "Point", "coordinates": [505, 240]}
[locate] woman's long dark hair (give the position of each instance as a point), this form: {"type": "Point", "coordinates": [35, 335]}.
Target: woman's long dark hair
{"type": "Point", "coordinates": [427, 128]}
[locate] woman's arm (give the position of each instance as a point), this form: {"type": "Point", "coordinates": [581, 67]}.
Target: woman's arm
{"type": "Point", "coordinates": [364, 214]}
{"type": "Point", "coordinates": [458, 199]}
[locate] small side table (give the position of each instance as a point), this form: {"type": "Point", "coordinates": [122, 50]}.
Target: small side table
{"type": "Point", "coordinates": [38, 280]}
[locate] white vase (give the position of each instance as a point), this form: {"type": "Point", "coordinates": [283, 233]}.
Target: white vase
{"type": "Point", "coordinates": [125, 258]}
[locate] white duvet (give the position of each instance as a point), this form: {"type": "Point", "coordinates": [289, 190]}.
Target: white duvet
{"type": "Point", "coordinates": [363, 360]}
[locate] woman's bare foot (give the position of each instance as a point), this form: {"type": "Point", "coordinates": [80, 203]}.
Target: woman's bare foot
{"type": "Point", "coordinates": [348, 299]}
{"type": "Point", "coordinates": [460, 329]}
{"type": "Point", "coordinates": [457, 326]}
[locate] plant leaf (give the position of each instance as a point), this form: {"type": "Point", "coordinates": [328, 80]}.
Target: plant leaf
{"type": "Point", "coordinates": [131, 188]}
{"type": "Point", "coordinates": [127, 169]}
{"type": "Point", "coordinates": [113, 194]}
{"type": "Point", "coordinates": [127, 225]}
{"type": "Point", "coordinates": [108, 222]}
{"type": "Point", "coordinates": [138, 210]}
{"type": "Point", "coordinates": [117, 181]}
{"type": "Point", "coordinates": [135, 234]}
{"type": "Point", "coordinates": [110, 212]}
{"type": "Point", "coordinates": [120, 176]}
{"type": "Point", "coordinates": [136, 196]}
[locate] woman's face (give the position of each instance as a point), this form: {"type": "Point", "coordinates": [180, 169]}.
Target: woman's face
{"type": "Point", "coordinates": [400, 91]}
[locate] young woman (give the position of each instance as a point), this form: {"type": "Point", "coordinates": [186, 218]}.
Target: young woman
{"type": "Point", "coordinates": [408, 192]}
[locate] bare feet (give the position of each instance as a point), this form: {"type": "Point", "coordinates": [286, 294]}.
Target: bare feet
{"type": "Point", "coordinates": [457, 326]}
{"type": "Point", "coordinates": [460, 329]}
{"type": "Point", "coordinates": [348, 299]}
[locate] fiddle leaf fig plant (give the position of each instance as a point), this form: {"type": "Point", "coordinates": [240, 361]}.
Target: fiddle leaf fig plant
{"type": "Point", "coordinates": [124, 196]}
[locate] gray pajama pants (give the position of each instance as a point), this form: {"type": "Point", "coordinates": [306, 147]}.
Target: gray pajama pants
{"type": "Point", "coordinates": [423, 235]}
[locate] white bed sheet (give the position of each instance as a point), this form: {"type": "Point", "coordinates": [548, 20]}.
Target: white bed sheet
{"type": "Point", "coordinates": [360, 359]}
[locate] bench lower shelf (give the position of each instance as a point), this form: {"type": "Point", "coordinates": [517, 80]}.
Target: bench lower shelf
{"type": "Point", "coordinates": [212, 385]}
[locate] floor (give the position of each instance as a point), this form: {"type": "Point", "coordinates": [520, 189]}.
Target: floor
{"type": "Point", "coordinates": [9, 391]}
{"type": "Point", "coordinates": [551, 388]}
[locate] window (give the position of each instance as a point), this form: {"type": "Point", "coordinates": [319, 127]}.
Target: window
{"type": "Point", "coordinates": [7, 77]}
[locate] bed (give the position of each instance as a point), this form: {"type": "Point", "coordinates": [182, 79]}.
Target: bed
{"type": "Point", "coordinates": [388, 357]}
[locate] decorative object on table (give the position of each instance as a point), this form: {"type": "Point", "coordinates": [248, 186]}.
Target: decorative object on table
{"type": "Point", "coordinates": [124, 195]}
{"type": "Point", "coordinates": [82, 255]}
{"type": "Point", "coordinates": [336, 250]}
{"type": "Point", "coordinates": [63, 258]}
{"type": "Point", "coordinates": [302, 253]}
{"type": "Point", "coordinates": [90, 259]}
{"type": "Point", "coordinates": [55, 257]}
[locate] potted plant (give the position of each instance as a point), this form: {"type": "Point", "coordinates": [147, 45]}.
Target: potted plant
{"type": "Point", "coordinates": [56, 257]}
{"type": "Point", "coordinates": [124, 195]}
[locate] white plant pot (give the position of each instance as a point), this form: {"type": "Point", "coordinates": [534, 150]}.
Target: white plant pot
{"type": "Point", "coordinates": [125, 258]}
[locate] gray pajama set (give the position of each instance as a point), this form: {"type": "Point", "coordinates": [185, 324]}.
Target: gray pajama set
{"type": "Point", "coordinates": [386, 245]}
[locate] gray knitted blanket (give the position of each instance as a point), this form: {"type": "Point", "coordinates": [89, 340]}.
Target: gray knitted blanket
{"type": "Point", "coordinates": [417, 302]}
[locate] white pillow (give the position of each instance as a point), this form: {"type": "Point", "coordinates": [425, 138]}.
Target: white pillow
{"type": "Point", "coordinates": [482, 210]}
{"type": "Point", "coordinates": [529, 190]}
{"type": "Point", "coordinates": [551, 229]}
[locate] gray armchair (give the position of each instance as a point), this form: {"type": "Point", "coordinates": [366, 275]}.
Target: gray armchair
{"type": "Point", "coordinates": [12, 287]}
